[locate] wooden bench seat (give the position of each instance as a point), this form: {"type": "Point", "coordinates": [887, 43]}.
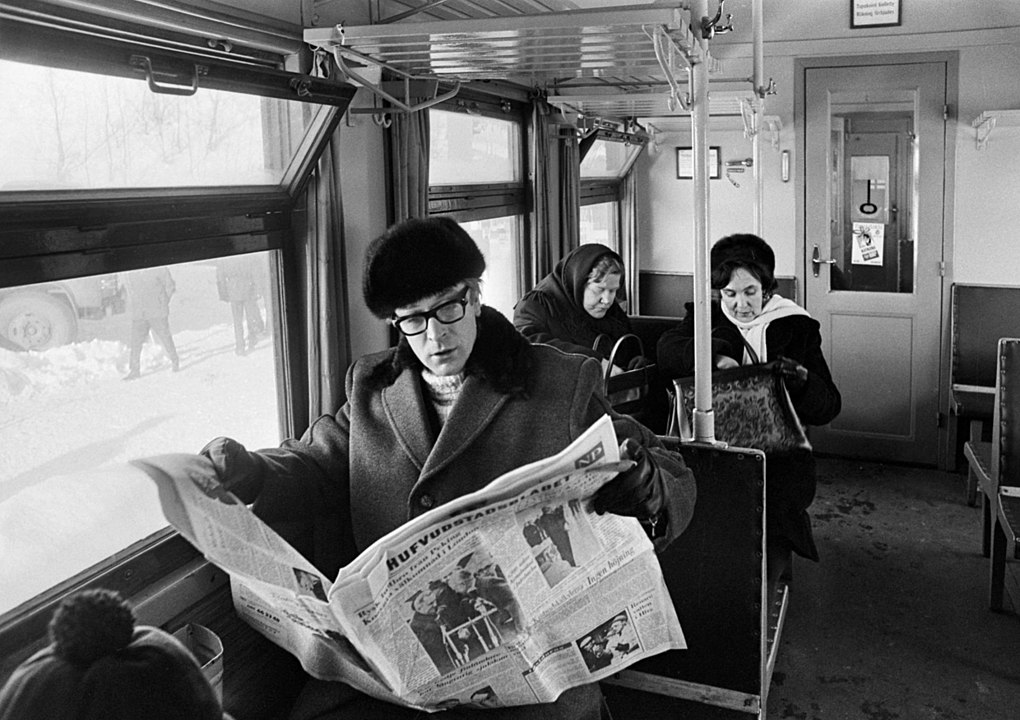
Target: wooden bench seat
{"type": "Point", "coordinates": [1009, 519]}
{"type": "Point", "coordinates": [979, 477]}
{"type": "Point", "coordinates": [1002, 492]}
{"type": "Point", "coordinates": [979, 316]}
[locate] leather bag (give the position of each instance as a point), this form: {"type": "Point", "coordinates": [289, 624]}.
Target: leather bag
{"type": "Point", "coordinates": [752, 409]}
{"type": "Point", "coordinates": [628, 390]}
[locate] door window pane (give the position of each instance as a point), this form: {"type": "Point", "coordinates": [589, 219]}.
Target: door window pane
{"type": "Point", "coordinates": [872, 196]}
{"type": "Point", "coordinates": [71, 419]}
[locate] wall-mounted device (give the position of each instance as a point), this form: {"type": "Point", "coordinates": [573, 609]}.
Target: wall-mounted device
{"type": "Point", "coordinates": [784, 165]}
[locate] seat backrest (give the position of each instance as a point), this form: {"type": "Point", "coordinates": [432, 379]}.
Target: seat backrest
{"type": "Point", "coordinates": [981, 314]}
{"type": "Point", "coordinates": [1006, 426]}
{"type": "Point", "coordinates": [649, 329]}
{"type": "Point", "coordinates": [666, 293]}
{"type": "Point", "coordinates": [715, 573]}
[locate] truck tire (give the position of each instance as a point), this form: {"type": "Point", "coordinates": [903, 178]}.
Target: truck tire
{"type": "Point", "coordinates": [33, 320]}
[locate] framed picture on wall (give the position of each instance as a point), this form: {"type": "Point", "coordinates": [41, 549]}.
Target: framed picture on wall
{"type": "Point", "coordinates": [685, 163]}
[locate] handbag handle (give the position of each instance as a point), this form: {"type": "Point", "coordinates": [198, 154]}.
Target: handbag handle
{"type": "Point", "coordinates": [616, 349]}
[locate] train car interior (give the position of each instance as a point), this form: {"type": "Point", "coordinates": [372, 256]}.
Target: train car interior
{"type": "Point", "coordinates": [873, 143]}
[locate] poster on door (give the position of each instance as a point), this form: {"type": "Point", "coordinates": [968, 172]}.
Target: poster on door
{"type": "Point", "coordinates": [869, 241]}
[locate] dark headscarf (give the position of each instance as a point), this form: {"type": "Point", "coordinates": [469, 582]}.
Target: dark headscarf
{"type": "Point", "coordinates": [565, 286]}
{"type": "Point", "coordinates": [571, 273]}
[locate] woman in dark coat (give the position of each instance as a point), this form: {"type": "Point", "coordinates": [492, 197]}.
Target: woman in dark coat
{"type": "Point", "coordinates": [752, 324]}
{"type": "Point", "coordinates": [576, 303]}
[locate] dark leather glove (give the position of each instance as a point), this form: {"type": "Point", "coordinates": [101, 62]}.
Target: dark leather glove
{"type": "Point", "coordinates": [637, 362]}
{"type": "Point", "coordinates": [637, 492]}
{"type": "Point", "coordinates": [238, 470]}
{"type": "Point", "coordinates": [793, 372]}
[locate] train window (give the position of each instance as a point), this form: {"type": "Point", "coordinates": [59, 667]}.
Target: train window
{"type": "Point", "coordinates": [472, 149]}
{"type": "Point", "coordinates": [120, 366]}
{"type": "Point", "coordinates": [83, 131]}
{"type": "Point", "coordinates": [142, 152]}
{"type": "Point", "coordinates": [605, 163]}
{"type": "Point", "coordinates": [476, 175]}
{"type": "Point", "coordinates": [609, 159]}
{"type": "Point", "coordinates": [499, 240]}
{"type": "Point", "coordinates": [600, 224]}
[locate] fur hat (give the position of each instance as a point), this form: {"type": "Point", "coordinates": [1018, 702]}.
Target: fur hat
{"type": "Point", "coordinates": [743, 248]}
{"type": "Point", "coordinates": [416, 259]}
{"type": "Point", "coordinates": [99, 665]}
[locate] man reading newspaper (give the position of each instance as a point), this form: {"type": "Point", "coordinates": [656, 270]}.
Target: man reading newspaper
{"type": "Point", "coordinates": [462, 399]}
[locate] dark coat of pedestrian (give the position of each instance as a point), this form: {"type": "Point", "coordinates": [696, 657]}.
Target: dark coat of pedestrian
{"type": "Point", "coordinates": [237, 282]}
{"type": "Point", "coordinates": [148, 293]}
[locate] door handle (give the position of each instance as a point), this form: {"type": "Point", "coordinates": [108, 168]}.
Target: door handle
{"type": "Point", "coordinates": [816, 260]}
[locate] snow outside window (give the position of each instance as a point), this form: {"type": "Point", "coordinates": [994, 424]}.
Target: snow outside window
{"type": "Point", "coordinates": [73, 412]}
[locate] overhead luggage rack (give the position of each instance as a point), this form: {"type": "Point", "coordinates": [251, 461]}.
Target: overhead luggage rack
{"type": "Point", "coordinates": [625, 48]}
{"type": "Point", "coordinates": [645, 105]}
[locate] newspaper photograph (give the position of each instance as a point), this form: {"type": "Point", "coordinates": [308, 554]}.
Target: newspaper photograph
{"type": "Point", "coordinates": [506, 596]}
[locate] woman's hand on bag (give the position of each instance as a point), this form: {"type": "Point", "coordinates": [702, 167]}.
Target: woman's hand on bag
{"type": "Point", "coordinates": [794, 373]}
{"type": "Point", "coordinates": [637, 362]}
{"type": "Point", "coordinates": [725, 362]}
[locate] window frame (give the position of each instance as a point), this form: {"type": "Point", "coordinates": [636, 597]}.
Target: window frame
{"type": "Point", "coordinates": [60, 234]}
{"type": "Point", "coordinates": [479, 202]}
{"type": "Point", "coordinates": [601, 190]}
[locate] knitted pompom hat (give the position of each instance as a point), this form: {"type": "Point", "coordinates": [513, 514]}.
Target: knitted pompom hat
{"type": "Point", "coordinates": [416, 259]}
{"type": "Point", "coordinates": [99, 665]}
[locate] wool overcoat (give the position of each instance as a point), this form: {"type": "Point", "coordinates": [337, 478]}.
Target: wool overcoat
{"type": "Point", "coordinates": [378, 461]}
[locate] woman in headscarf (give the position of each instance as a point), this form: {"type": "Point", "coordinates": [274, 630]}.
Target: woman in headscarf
{"type": "Point", "coordinates": [752, 324]}
{"type": "Point", "coordinates": [578, 302]}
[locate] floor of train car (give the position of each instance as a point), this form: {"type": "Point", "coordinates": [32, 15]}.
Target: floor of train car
{"type": "Point", "coordinates": [893, 623]}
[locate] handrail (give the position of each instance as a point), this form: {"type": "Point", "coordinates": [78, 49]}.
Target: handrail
{"type": "Point", "coordinates": [339, 51]}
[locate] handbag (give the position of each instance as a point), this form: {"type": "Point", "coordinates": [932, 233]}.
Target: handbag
{"type": "Point", "coordinates": [627, 391]}
{"type": "Point", "coordinates": [751, 406]}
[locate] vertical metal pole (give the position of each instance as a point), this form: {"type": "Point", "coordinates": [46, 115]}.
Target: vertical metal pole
{"type": "Point", "coordinates": [756, 161]}
{"type": "Point", "coordinates": [757, 36]}
{"type": "Point", "coordinates": [704, 420]}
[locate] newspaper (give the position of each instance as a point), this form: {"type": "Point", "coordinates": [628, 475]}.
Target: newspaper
{"type": "Point", "coordinates": [506, 596]}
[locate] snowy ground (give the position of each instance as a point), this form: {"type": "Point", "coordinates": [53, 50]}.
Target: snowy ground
{"type": "Point", "coordinates": [69, 423]}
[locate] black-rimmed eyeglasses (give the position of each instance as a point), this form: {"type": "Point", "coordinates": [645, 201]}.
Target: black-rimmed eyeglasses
{"type": "Point", "coordinates": [449, 312]}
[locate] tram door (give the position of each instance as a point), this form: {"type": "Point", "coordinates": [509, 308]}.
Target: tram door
{"type": "Point", "coordinates": [874, 192]}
